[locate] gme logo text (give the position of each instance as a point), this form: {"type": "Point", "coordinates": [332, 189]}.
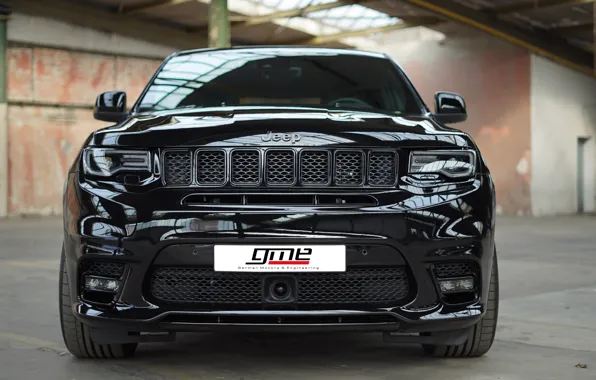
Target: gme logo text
{"type": "Point", "coordinates": [280, 256]}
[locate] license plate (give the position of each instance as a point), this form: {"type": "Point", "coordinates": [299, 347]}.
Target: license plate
{"type": "Point", "coordinates": [280, 258]}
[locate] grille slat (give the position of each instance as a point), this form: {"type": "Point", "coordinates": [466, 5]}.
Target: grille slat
{"type": "Point", "coordinates": [191, 285]}
{"type": "Point", "coordinates": [246, 167]}
{"type": "Point", "coordinates": [349, 168]}
{"type": "Point", "coordinates": [280, 167]}
{"type": "Point", "coordinates": [211, 167]}
{"type": "Point", "coordinates": [381, 168]}
{"type": "Point", "coordinates": [178, 167]}
{"type": "Point", "coordinates": [314, 167]}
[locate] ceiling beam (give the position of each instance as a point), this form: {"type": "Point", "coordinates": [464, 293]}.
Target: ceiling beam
{"type": "Point", "coordinates": [572, 28]}
{"type": "Point", "coordinates": [258, 20]}
{"type": "Point", "coordinates": [535, 4]}
{"type": "Point", "coordinates": [549, 46]}
{"type": "Point", "coordinates": [319, 40]}
{"type": "Point", "coordinates": [154, 6]}
{"type": "Point", "coordinates": [84, 15]}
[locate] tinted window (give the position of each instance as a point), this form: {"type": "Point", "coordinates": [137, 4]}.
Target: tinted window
{"type": "Point", "coordinates": [280, 77]}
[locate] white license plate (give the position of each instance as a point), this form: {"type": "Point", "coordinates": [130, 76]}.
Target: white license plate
{"type": "Point", "coordinates": [280, 258]}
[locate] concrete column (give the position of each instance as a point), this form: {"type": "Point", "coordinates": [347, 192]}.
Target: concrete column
{"type": "Point", "coordinates": [219, 24]}
{"type": "Point", "coordinates": [3, 123]}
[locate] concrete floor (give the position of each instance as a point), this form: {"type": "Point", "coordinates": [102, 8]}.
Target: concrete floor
{"type": "Point", "coordinates": [548, 303]}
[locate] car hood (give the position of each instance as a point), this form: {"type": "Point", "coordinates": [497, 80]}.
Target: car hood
{"type": "Point", "coordinates": [299, 127]}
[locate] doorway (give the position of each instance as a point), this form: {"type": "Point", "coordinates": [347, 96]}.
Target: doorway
{"type": "Point", "coordinates": [585, 176]}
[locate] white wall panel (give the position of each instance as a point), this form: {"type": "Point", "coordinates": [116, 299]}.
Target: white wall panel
{"type": "Point", "coordinates": [563, 108]}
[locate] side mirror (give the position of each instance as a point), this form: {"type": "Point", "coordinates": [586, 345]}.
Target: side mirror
{"type": "Point", "coordinates": [450, 107]}
{"type": "Point", "coordinates": [111, 106]}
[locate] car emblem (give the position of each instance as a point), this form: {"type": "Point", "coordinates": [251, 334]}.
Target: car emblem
{"type": "Point", "coordinates": [287, 137]}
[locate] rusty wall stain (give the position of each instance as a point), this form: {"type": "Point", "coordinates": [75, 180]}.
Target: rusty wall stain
{"type": "Point", "coordinates": [43, 141]}
{"type": "Point", "coordinates": [70, 77]}
{"type": "Point", "coordinates": [496, 86]}
{"type": "Point", "coordinates": [42, 144]}
{"type": "Point", "coordinates": [20, 74]}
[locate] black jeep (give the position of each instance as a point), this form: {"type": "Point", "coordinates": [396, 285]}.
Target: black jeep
{"type": "Point", "coordinates": [279, 189]}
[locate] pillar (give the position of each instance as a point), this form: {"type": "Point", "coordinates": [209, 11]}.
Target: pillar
{"type": "Point", "coordinates": [219, 24]}
{"type": "Point", "coordinates": [3, 122]}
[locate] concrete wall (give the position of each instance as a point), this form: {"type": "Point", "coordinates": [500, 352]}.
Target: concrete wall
{"type": "Point", "coordinates": [494, 79]}
{"type": "Point", "coordinates": [563, 107]}
{"type": "Point", "coordinates": [39, 31]}
{"type": "Point", "coordinates": [51, 92]}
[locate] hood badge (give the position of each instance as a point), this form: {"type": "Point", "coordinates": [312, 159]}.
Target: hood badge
{"type": "Point", "coordinates": [287, 137]}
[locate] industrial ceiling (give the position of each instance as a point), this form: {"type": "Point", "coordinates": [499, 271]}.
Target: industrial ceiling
{"type": "Point", "coordinates": [562, 30]}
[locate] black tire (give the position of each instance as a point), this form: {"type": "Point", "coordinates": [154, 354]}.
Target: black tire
{"type": "Point", "coordinates": [482, 334]}
{"type": "Point", "coordinates": [76, 335]}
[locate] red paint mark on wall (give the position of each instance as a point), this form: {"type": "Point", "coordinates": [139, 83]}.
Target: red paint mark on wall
{"type": "Point", "coordinates": [38, 164]}
{"type": "Point", "coordinates": [71, 77]}
{"type": "Point", "coordinates": [19, 75]}
{"type": "Point", "coordinates": [494, 134]}
{"type": "Point", "coordinates": [100, 74]}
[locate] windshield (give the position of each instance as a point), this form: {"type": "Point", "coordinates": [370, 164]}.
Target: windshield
{"type": "Point", "coordinates": [268, 77]}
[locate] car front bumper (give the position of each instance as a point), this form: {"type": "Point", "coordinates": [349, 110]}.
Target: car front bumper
{"type": "Point", "coordinates": [419, 232]}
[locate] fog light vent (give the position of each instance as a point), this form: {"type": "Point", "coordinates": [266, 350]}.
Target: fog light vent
{"type": "Point", "coordinates": [100, 284]}
{"type": "Point", "coordinates": [101, 280]}
{"type": "Point", "coordinates": [457, 285]}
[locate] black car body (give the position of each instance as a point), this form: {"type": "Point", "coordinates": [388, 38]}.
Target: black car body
{"type": "Point", "coordinates": [245, 148]}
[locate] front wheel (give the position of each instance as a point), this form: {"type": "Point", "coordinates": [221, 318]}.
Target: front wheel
{"type": "Point", "coordinates": [482, 334]}
{"type": "Point", "coordinates": [76, 335]}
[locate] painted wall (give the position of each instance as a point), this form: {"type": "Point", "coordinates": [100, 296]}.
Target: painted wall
{"type": "Point", "coordinates": [563, 108]}
{"type": "Point", "coordinates": [43, 139]}
{"type": "Point", "coordinates": [39, 31]}
{"type": "Point", "coordinates": [494, 79]}
{"type": "Point", "coordinates": [55, 71]}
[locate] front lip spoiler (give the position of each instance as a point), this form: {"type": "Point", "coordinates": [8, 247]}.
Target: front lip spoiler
{"type": "Point", "coordinates": [159, 329]}
{"type": "Point", "coordinates": [251, 320]}
{"type": "Point", "coordinates": [274, 320]}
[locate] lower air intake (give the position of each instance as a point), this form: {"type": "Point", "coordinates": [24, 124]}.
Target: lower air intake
{"type": "Point", "coordinates": [203, 286]}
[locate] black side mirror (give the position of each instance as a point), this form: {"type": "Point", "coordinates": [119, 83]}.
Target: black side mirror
{"type": "Point", "coordinates": [111, 106]}
{"type": "Point", "coordinates": [450, 107]}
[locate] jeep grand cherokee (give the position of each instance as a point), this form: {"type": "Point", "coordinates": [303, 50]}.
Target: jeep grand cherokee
{"type": "Point", "coordinates": [279, 189]}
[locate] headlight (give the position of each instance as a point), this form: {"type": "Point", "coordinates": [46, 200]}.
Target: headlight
{"type": "Point", "coordinates": [451, 164]}
{"type": "Point", "coordinates": [106, 162]}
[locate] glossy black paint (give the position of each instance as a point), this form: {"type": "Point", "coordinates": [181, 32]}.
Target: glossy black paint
{"type": "Point", "coordinates": [135, 224]}
{"type": "Point", "coordinates": [450, 107]}
{"type": "Point", "coordinates": [110, 106]}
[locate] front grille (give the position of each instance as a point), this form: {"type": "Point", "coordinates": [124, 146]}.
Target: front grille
{"type": "Point", "coordinates": [289, 167]}
{"type": "Point", "coordinates": [456, 269]}
{"type": "Point", "coordinates": [103, 268]}
{"type": "Point", "coordinates": [178, 167]}
{"type": "Point", "coordinates": [366, 286]}
{"type": "Point", "coordinates": [246, 167]}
